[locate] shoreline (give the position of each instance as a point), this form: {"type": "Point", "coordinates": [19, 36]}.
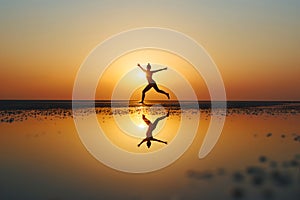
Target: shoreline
{"type": "Point", "coordinates": [68, 104]}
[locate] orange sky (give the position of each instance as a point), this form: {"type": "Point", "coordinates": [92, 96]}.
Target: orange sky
{"type": "Point", "coordinates": [255, 44]}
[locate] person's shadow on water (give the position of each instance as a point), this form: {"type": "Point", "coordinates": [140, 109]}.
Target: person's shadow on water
{"type": "Point", "coordinates": [151, 127]}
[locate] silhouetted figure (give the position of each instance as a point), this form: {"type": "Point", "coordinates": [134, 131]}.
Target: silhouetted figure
{"type": "Point", "coordinates": [151, 82]}
{"type": "Point", "coordinates": [151, 127]}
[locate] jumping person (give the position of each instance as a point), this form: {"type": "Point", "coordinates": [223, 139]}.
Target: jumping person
{"type": "Point", "coordinates": [151, 127]}
{"type": "Point", "coordinates": [151, 82]}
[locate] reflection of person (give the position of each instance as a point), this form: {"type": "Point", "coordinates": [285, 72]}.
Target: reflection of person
{"type": "Point", "coordinates": [151, 127]}
{"type": "Point", "coordinates": [151, 82]}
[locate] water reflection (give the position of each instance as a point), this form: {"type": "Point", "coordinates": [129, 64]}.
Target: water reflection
{"type": "Point", "coordinates": [42, 147]}
{"type": "Point", "coordinates": [151, 127]}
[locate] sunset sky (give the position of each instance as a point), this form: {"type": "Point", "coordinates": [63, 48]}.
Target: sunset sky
{"type": "Point", "coordinates": [255, 44]}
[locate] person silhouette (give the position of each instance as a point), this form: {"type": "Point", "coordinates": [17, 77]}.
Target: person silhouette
{"type": "Point", "coordinates": [151, 127]}
{"type": "Point", "coordinates": [151, 82]}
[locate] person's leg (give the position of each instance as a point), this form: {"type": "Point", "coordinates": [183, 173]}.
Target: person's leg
{"type": "Point", "coordinates": [148, 87]}
{"type": "Point", "coordinates": [161, 91]}
{"type": "Point", "coordinates": [154, 124]}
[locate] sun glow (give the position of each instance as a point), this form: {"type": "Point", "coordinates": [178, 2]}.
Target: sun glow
{"type": "Point", "coordinates": [141, 74]}
{"type": "Point", "coordinates": [158, 58]}
{"type": "Point", "coordinates": [142, 126]}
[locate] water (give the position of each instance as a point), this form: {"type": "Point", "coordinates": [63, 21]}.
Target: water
{"type": "Point", "coordinates": [42, 156]}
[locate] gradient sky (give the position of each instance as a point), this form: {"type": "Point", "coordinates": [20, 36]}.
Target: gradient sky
{"type": "Point", "coordinates": [254, 43]}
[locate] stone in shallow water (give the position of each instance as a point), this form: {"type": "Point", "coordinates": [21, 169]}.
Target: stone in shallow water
{"type": "Point", "coordinates": [238, 177]}
{"type": "Point", "coordinates": [252, 170]}
{"type": "Point", "coordinates": [297, 138]}
{"type": "Point", "coordinates": [262, 159]}
{"type": "Point", "coordinates": [269, 135]}
{"type": "Point", "coordinates": [280, 179]}
{"type": "Point", "coordinates": [257, 180]}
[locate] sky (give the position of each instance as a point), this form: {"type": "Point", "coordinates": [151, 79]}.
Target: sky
{"type": "Point", "coordinates": [255, 44]}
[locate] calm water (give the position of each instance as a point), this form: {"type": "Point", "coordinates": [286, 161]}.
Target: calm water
{"type": "Point", "coordinates": [257, 155]}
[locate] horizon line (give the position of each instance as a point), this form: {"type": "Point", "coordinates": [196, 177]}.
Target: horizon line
{"type": "Point", "coordinates": [171, 100]}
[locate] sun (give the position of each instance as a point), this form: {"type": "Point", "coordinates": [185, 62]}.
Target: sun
{"type": "Point", "coordinates": [141, 126]}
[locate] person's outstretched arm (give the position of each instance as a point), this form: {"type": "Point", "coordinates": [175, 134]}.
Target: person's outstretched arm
{"type": "Point", "coordinates": [159, 70]}
{"type": "Point", "coordinates": [154, 139]}
{"type": "Point", "coordinates": [144, 140]}
{"type": "Point", "coordinates": [147, 121]}
{"type": "Point", "coordinates": [141, 67]}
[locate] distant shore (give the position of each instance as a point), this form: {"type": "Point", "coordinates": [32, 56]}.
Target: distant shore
{"type": "Point", "coordinates": [67, 104]}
